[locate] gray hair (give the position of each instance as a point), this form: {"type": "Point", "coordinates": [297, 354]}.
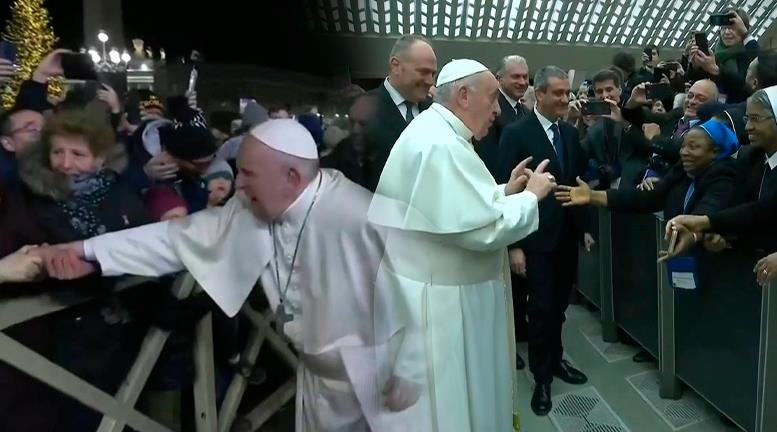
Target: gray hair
{"type": "Point", "coordinates": [543, 75]}
{"type": "Point", "coordinates": [308, 168]}
{"type": "Point", "coordinates": [714, 86]}
{"type": "Point", "coordinates": [506, 60]}
{"type": "Point", "coordinates": [761, 98]}
{"type": "Point", "coordinates": [445, 93]}
{"type": "Point", "coordinates": [403, 44]}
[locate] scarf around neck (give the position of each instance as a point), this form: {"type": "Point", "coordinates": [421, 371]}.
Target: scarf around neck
{"type": "Point", "coordinates": [88, 193]}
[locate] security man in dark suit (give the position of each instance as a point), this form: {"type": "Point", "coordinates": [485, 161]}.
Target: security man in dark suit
{"type": "Point", "coordinates": [401, 97]}
{"type": "Point", "coordinates": [513, 76]}
{"type": "Point", "coordinates": [550, 254]}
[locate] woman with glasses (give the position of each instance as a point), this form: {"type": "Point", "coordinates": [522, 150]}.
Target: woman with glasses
{"type": "Point", "coordinates": [752, 220]}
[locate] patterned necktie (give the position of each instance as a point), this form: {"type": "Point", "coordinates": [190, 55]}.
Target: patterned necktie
{"type": "Point", "coordinates": [409, 113]}
{"type": "Point", "coordinates": [681, 129]}
{"type": "Point", "coordinates": [558, 145]}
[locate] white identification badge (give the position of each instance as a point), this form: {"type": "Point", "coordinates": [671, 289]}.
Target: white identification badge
{"type": "Point", "coordinates": [683, 280]}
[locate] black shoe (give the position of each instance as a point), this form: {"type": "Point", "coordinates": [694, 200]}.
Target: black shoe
{"type": "Point", "coordinates": [568, 374]}
{"type": "Point", "coordinates": [540, 400]}
{"type": "Point", "coordinates": [643, 356]}
{"type": "Point", "coordinates": [519, 363]}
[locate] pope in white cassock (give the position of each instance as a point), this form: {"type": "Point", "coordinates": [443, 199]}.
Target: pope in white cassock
{"type": "Point", "coordinates": [303, 233]}
{"type": "Point", "coordinates": [447, 313]}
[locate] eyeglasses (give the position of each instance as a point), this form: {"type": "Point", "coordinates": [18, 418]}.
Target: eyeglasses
{"type": "Point", "coordinates": [756, 118]}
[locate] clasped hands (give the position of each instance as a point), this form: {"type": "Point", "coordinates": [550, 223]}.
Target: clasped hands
{"type": "Point", "coordinates": [30, 263]}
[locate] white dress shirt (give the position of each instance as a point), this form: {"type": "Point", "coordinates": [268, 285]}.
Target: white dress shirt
{"type": "Point", "coordinates": [546, 124]}
{"type": "Point", "coordinates": [399, 101]}
{"type": "Point", "coordinates": [772, 160]}
{"type": "Point", "coordinates": [513, 103]}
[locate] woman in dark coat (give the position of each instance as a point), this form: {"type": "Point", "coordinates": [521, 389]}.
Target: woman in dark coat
{"type": "Point", "coordinates": [701, 182]}
{"type": "Point", "coordinates": [71, 191]}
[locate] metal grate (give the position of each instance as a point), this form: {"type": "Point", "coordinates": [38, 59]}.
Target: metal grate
{"type": "Point", "coordinates": [677, 414]}
{"type": "Point", "coordinates": [585, 410]}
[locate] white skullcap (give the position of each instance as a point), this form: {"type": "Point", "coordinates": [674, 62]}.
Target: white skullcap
{"type": "Point", "coordinates": [287, 136]}
{"type": "Point", "coordinates": [771, 92]}
{"type": "Point", "coordinates": [458, 69]}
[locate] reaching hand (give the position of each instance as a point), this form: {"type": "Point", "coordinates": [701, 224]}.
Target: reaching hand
{"type": "Point", "coordinates": [651, 130]}
{"type": "Point", "coordinates": [715, 243]}
{"type": "Point", "coordinates": [648, 184]}
{"type": "Point", "coordinates": [65, 262]}
{"type": "Point", "coordinates": [704, 61]}
{"type": "Point", "coordinates": [588, 241]}
{"type": "Point", "coordinates": [692, 223]}
{"type": "Point", "coordinates": [50, 66]}
{"type": "Point", "coordinates": [540, 182]}
{"type": "Point", "coordinates": [518, 261]}
{"type": "Point", "coordinates": [21, 266]}
{"type": "Point", "coordinates": [615, 111]}
{"type": "Point", "coordinates": [7, 71]}
{"type": "Point", "coordinates": [685, 240]}
{"type": "Point", "coordinates": [638, 97]}
{"type": "Point", "coordinates": [400, 394]}
{"type": "Point", "coordinates": [108, 95]}
{"type": "Point", "coordinates": [161, 167]}
{"type": "Point", "coordinates": [766, 269]}
{"type": "Point", "coordinates": [574, 196]}
{"type": "Point", "coordinates": [518, 178]}
{"type": "Point", "coordinates": [738, 25]}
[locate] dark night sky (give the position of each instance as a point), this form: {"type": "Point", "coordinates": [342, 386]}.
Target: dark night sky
{"type": "Point", "coordinates": [272, 34]}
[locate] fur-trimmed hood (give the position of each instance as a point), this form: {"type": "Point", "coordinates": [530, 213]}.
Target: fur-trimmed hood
{"type": "Point", "coordinates": [38, 177]}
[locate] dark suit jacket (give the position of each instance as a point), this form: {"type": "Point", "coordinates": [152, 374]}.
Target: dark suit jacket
{"type": "Point", "coordinates": [713, 190]}
{"type": "Point", "coordinates": [752, 219]}
{"type": "Point", "coordinates": [624, 153]}
{"type": "Point", "coordinates": [383, 131]}
{"type": "Point", "coordinates": [488, 147]}
{"type": "Point", "coordinates": [525, 138]}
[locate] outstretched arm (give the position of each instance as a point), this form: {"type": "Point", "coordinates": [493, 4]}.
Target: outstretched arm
{"type": "Point", "coordinates": [142, 251]}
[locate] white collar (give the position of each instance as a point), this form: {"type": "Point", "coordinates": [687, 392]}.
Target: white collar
{"type": "Point", "coordinates": [546, 124]}
{"type": "Point", "coordinates": [513, 103]}
{"type": "Point", "coordinates": [394, 93]}
{"type": "Point", "coordinates": [456, 124]}
{"type": "Point", "coordinates": [772, 160]}
{"type": "Point", "coordinates": [295, 213]}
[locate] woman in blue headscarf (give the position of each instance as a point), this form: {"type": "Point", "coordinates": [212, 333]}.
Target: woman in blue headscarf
{"type": "Point", "coordinates": [700, 183]}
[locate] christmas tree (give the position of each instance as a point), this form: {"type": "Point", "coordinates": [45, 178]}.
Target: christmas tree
{"type": "Point", "coordinates": [30, 30]}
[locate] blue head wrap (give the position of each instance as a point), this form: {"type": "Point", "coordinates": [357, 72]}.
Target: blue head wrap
{"type": "Point", "coordinates": [722, 137]}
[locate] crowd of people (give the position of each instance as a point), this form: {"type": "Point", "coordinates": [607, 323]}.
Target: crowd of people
{"type": "Point", "coordinates": [379, 242]}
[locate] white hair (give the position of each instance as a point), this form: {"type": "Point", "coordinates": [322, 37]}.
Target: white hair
{"type": "Point", "coordinates": [506, 60]}
{"type": "Point", "coordinates": [445, 93]}
{"type": "Point", "coordinates": [679, 100]}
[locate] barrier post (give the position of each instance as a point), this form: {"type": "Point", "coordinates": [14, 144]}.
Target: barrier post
{"type": "Point", "coordinates": [766, 401]}
{"type": "Point", "coordinates": [607, 310]}
{"type": "Point", "coordinates": [669, 385]}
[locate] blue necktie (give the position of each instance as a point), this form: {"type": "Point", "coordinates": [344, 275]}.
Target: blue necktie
{"type": "Point", "coordinates": [688, 196]}
{"type": "Point", "coordinates": [558, 145]}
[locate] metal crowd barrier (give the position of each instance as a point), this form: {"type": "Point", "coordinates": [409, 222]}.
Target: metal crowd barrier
{"type": "Point", "coordinates": [719, 339]}
{"type": "Point", "coordinates": [119, 410]}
